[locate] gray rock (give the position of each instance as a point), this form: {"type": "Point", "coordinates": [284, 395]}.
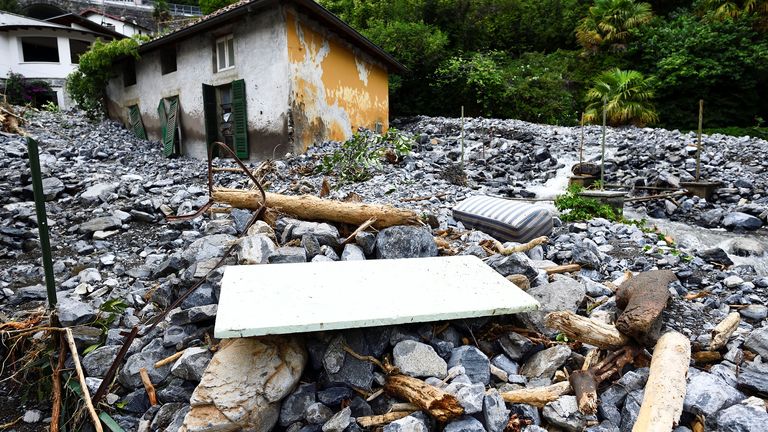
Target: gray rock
{"type": "Point", "coordinates": [97, 362]}
{"type": "Point", "coordinates": [470, 396]}
{"type": "Point", "coordinates": [495, 412]}
{"type": "Point", "coordinates": [177, 390]}
{"type": "Point", "coordinates": [52, 187]}
{"type": "Point", "coordinates": [516, 263]}
{"type": "Point", "coordinates": [418, 360]}
{"type": "Point", "coordinates": [503, 362]}
{"type": "Point", "coordinates": [317, 413]}
{"type": "Point", "coordinates": [311, 245]}
{"type": "Point", "coordinates": [326, 234]}
{"type": "Point", "coordinates": [707, 394]}
{"type": "Point", "coordinates": [605, 426]}
{"type": "Point", "coordinates": [587, 254]}
{"type": "Point", "coordinates": [334, 396]}
{"type": "Point", "coordinates": [178, 419]}
{"type": "Point", "coordinates": [544, 363]}
{"type": "Point", "coordinates": [136, 402]}
{"type": "Point", "coordinates": [405, 242]}
{"type": "Point", "coordinates": [295, 405]}
{"type": "Point", "coordinates": [631, 410]}
{"type": "Point", "coordinates": [339, 422]}
{"type": "Point", "coordinates": [73, 311]}
{"type": "Point", "coordinates": [564, 413]}
{"type": "Point", "coordinates": [288, 254]}
{"type": "Point", "coordinates": [563, 294]}
{"type": "Point", "coordinates": [367, 241]}
{"type": "Point", "coordinates": [754, 312]}
{"type": "Point", "coordinates": [165, 416]}
{"type": "Point", "coordinates": [345, 369]}
{"type": "Point", "coordinates": [715, 256]}
{"type": "Point", "coordinates": [95, 192]}
{"type": "Point", "coordinates": [129, 375]}
{"type": "Point", "coordinates": [753, 377]}
{"type": "Point", "coordinates": [746, 247]}
{"type": "Point", "coordinates": [191, 365]}
{"type": "Point", "coordinates": [103, 223]}
{"type": "Point", "coordinates": [407, 424]}
{"type": "Point", "coordinates": [32, 416]}
{"type": "Point", "coordinates": [474, 362]}
{"type": "Point", "coordinates": [757, 342]}
{"type": "Point", "coordinates": [255, 249]}
{"type": "Point", "coordinates": [352, 252]}
{"type": "Point", "coordinates": [195, 314]}
{"type": "Point", "coordinates": [208, 247]}
{"type": "Point", "coordinates": [742, 418]}
{"type": "Point", "coordinates": [241, 218]}
{"type": "Point", "coordinates": [464, 424]}
{"type": "Point", "coordinates": [526, 412]}
{"type": "Point", "coordinates": [515, 346]}
{"type": "Point", "coordinates": [741, 222]}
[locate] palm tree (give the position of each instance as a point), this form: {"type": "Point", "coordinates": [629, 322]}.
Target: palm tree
{"type": "Point", "coordinates": [626, 95]}
{"type": "Point", "coordinates": [609, 22]}
{"type": "Point", "coordinates": [737, 9]}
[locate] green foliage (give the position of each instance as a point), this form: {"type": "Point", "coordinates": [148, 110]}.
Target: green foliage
{"type": "Point", "coordinates": [608, 24]}
{"type": "Point", "coordinates": [87, 84]}
{"type": "Point", "coordinates": [51, 106]}
{"type": "Point", "coordinates": [22, 91]}
{"type": "Point", "coordinates": [574, 207]}
{"type": "Point", "coordinates": [724, 62]}
{"type": "Point", "coordinates": [625, 96]}
{"type": "Point", "coordinates": [210, 6]}
{"type": "Point", "coordinates": [11, 6]}
{"type": "Point", "coordinates": [162, 12]}
{"type": "Point", "coordinates": [360, 156]}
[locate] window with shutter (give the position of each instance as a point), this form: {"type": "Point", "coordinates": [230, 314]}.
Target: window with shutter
{"type": "Point", "coordinates": [134, 116]}
{"type": "Point", "coordinates": [240, 118]}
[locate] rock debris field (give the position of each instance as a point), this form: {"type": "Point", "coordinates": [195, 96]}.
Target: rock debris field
{"type": "Point", "coordinates": [114, 254]}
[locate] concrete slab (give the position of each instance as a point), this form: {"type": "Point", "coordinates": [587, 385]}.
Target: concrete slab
{"type": "Point", "coordinates": [259, 300]}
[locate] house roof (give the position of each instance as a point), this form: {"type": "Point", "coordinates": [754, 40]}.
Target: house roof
{"type": "Point", "coordinates": [11, 21]}
{"type": "Point", "coordinates": [243, 7]}
{"type": "Point", "coordinates": [68, 19]}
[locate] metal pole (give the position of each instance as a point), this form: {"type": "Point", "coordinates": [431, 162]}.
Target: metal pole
{"type": "Point", "coordinates": [698, 144]}
{"type": "Point", "coordinates": [602, 158]}
{"type": "Point", "coordinates": [42, 219]}
{"type": "Point", "coordinates": [462, 137]}
{"type": "Point", "coordinates": [581, 145]}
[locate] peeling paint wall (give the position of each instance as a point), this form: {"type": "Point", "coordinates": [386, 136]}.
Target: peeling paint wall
{"type": "Point", "coordinates": [260, 59]}
{"type": "Point", "coordinates": [335, 88]}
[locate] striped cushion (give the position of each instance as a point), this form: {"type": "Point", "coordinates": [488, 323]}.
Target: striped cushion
{"type": "Point", "coordinates": [503, 219]}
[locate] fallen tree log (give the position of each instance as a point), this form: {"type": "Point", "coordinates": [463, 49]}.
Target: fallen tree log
{"type": "Point", "coordinates": [585, 382]}
{"type": "Point", "coordinates": [439, 404]}
{"type": "Point", "coordinates": [723, 331]}
{"type": "Point", "coordinates": [537, 396]}
{"type": "Point", "coordinates": [308, 207]}
{"type": "Point", "coordinates": [665, 390]}
{"type": "Point", "coordinates": [586, 330]}
{"type": "Point", "coordinates": [643, 298]}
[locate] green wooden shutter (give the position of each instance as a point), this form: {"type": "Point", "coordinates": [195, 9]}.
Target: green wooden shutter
{"type": "Point", "coordinates": [137, 125]}
{"type": "Point", "coordinates": [209, 112]}
{"type": "Point", "coordinates": [241, 118]}
{"type": "Point", "coordinates": [163, 116]}
{"type": "Point", "coordinates": [169, 140]}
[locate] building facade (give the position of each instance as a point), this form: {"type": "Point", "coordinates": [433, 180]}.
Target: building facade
{"type": "Point", "coordinates": [42, 50]}
{"type": "Point", "coordinates": [264, 76]}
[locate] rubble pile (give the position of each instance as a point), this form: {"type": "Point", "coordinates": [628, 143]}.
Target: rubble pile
{"type": "Point", "coordinates": [115, 257]}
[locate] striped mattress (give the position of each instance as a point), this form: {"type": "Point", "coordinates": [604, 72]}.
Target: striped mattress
{"type": "Point", "coordinates": [503, 219]}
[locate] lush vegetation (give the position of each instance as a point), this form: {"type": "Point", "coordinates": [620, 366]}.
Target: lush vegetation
{"type": "Point", "coordinates": [22, 91]}
{"type": "Point", "coordinates": [10, 6]}
{"type": "Point", "coordinates": [362, 155]}
{"type": "Point", "coordinates": [208, 6]}
{"type": "Point", "coordinates": [88, 83]}
{"type": "Point", "coordinates": [549, 60]}
{"type": "Point", "coordinates": [574, 208]}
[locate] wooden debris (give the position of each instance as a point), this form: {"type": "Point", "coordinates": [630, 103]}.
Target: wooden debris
{"type": "Point", "coordinates": [704, 357]}
{"type": "Point", "coordinates": [436, 402]}
{"type": "Point", "coordinates": [81, 378]}
{"type": "Point", "coordinates": [567, 268]}
{"type": "Point", "coordinates": [587, 330]}
{"type": "Point", "coordinates": [665, 390]}
{"type": "Point", "coordinates": [586, 381]}
{"type": "Point", "coordinates": [56, 384]}
{"type": "Point", "coordinates": [148, 386]}
{"type": "Point", "coordinates": [325, 188]}
{"type": "Point", "coordinates": [168, 360]}
{"type": "Point", "coordinates": [307, 207]}
{"type": "Point", "coordinates": [364, 226]}
{"type": "Point", "coordinates": [537, 396]}
{"type": "Point", "coordinates": [384, 419]}
{"type": "Point", "coordinates": [642, 299]}
{"type": "Point", "coordinates": [498, 247]}
{"type": "Point", "coordinates": [723, 331]}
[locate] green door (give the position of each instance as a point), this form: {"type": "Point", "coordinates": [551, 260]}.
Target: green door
{"type": "Point", "coordinates": [241, 119]}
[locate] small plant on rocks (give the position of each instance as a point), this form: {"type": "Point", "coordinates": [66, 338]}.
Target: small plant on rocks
{"type": "Point", "coordinates": [574, 207]}
{"type": "Point", "coordinates": [359, 157]}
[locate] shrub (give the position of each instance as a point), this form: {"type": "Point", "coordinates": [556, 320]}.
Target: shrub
{"type": "Point", "coordinates": [358, 158]}
{"type": "Point", "coordinates": [22, 91]}
{"type": "Point", "coordinates": [574, 207]}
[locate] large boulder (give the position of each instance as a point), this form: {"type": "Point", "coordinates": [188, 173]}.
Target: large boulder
{"type": "Point", "coordinates": [738, 221]}
{"type": "Point", "coordinates": [405, 242]}
{"type": "Point", "coordinates": [563, 294]}
{"type": "Point", "coordinates": [242, 387]}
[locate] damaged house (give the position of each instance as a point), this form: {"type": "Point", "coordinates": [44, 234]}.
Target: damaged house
{"type": "Point", "coordinates": [263, 76]}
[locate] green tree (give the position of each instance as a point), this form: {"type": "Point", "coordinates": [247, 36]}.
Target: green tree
{"type": "Point", "coordinates": [608, 24]}
{"type": "Point", "coordinates": [625, 95]}
{"type": "Point", "coordinates": [11, 6]}
{"type": "Point", "coordinates": [161, 13]}
{"type": "Point", "coordinates": [724, 62]}
{"type": "Point", "coordinates": [210, 6]}
{"type": "Point", "coordinates": [87, 84]}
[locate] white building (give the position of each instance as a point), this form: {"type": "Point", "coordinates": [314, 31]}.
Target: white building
{"type": "Point", "coordinates": [122, 25]}
{"type": "Point", "coordinates": [43, 50]}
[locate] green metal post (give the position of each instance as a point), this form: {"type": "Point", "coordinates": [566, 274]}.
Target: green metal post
{"type": "Point", "coordinates": [42, 219]}
{"type": "Point", "coordinates": [462, 137]}
{"type": "Point", "coordinates": [602, 158]}
{"type": "Point", "coordinates": [698, 143]}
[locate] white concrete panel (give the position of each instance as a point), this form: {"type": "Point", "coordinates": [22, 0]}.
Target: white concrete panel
{"type": "Point", "coordinates": [259, 300]}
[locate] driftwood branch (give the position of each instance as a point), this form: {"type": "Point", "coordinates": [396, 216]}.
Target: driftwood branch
{"type": "Point", "coordinates": [56, 391]}
{"type": "Point", "coordinates": [364, 226]}
{"type": "Point", "coordinates": [643, 298]}
{"type": "Point", "coordinates": [170, 359]}
{"type": "Point", "coordinates": [723, 331]}
{"type": "Point", "coordinates": [81, 378]}
{"type": "Point", "coordinates": [665, 390]}
{"type": "Point", "coordinates": [308, 207]}
{"type": "Point", "coordinates": [438, 403]}
{"type": "Point", "coordinates": [384, 419]}
{"type": "Point", "coordinates": [537, 396]}
{"type": "Point", "coordinates": [148, 386]}
{"type": "Point", "coordinates": [587, 330]}
{"type": "Point", "coordinates": [585, 382]}
{"type": "Point", "coordinates": [566, 268]}
{"type": "Point", "coordinates": [519, 248]}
